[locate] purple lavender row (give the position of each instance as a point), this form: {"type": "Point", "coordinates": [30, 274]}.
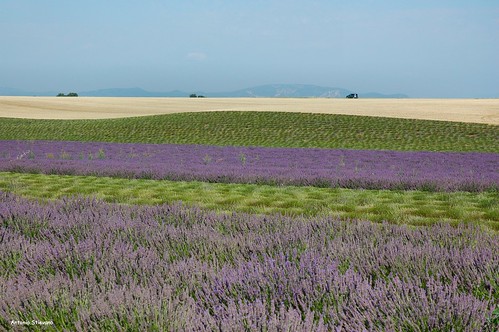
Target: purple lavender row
{"type": "Point", "coordinates": [87, 265]}
{"type": "Point", "coordinates": [436, 171]}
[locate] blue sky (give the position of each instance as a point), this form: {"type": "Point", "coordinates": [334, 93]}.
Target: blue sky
{"type": "Point", "coordinates": [439, 48]}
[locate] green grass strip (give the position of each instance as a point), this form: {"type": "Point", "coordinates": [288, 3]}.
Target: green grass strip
{"type": "Point", "coordinates": [402, 207]}
{"type": "Point", "coordinates": [276, 129]}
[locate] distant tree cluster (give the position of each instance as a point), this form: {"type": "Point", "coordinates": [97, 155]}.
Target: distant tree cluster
{"type": "Point", "coordinates": [71, 94]}
{"type": "Point", "coordinates": [193, 95]}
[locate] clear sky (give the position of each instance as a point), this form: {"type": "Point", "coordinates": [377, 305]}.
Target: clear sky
{"type": "Point", "coordinates": [424, 48]}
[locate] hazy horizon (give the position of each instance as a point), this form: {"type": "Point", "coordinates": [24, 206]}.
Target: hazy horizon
{"type": "Point", "coordinates": [425, 49]}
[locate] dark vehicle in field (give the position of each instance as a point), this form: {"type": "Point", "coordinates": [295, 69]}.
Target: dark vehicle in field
{"type": "Point", "coordinates": [353, 96]}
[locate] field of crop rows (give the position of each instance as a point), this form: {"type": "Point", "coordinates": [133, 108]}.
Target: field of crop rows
{"type": "Point", "coordinates": [249, 221]}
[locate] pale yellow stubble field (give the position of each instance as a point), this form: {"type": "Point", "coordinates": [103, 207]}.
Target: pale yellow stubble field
{"type": "Point", "coordinates": [461, 110]}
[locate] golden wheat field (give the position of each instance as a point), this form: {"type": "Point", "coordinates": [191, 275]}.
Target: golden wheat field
{"type": "Point", "coordinates": [460, 110]}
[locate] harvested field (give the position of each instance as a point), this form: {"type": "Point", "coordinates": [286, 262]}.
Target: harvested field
{"type": "Point", "coordinates": [457, 110]}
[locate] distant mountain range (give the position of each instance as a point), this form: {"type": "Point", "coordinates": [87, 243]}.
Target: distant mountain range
{"type": "Point", "coordinates": [266, 91]}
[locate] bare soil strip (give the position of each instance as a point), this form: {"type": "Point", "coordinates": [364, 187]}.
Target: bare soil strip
{"type": "Point", "coordinates": [458, 110]}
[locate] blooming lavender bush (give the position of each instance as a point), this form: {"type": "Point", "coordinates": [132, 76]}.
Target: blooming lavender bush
{"type": "Point", "coordinates": [88, 265]}
{"type": "Point", "coordinates": [436, 171]}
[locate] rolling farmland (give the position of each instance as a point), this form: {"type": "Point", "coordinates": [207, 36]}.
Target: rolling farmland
{"type": "Point", "coordinates": [202, 214]}
{"type": "Point", "coordinates": [268, 129]}
{"type": "Point", "coordinates": [457, 110]}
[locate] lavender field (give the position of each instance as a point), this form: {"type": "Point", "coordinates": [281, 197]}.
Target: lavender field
{"type": "Point", "coordinates": [365, 169]}
{"type": "Point", "coordinates": [88, 265]}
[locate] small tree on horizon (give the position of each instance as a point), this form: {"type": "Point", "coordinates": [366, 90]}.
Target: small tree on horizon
{"type": "Point", "coordinates": [71, 94]}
